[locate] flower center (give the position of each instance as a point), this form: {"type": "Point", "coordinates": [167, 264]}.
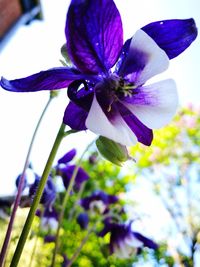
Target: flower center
{"type": "Point", "coordinates": [117, 88]}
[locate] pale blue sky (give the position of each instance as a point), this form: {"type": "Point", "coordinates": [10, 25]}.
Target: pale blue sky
{"type": "Point", "coordinates": [37, 47]}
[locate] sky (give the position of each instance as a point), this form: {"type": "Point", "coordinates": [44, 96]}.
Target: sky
{"type": "Point", "coordinates": [37, 47]}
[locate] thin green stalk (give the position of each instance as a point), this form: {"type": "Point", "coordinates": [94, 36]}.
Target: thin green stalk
{"type": "Point", "coordinates": [73, 210]}
{"type": "Point", "coordinates": [20, 188]}
{"type": "Point", "coordinates": [85, 239]}
{"type": "Point", "coordinates": [36, 200]}
{"type": "Point", "coordinates": [36, 240]}
{"type": "Point", "coordinates": [77, 252]}
{"type": "Point", "coordinates": [66, 198]}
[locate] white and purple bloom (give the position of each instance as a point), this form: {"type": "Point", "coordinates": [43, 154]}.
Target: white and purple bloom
{"type": "Point", "coordinates": [49, 219]}
{"type": "Point", "coordinates": [123, 241]}
{"type": "Point", "coordinates": [98, 201]}
{"type": "Point", "coordinates": [107, 81]}
{"type": "Point", "coordinates": [66, 170]}
{"type": "Point", "coordinates": [49, 193]}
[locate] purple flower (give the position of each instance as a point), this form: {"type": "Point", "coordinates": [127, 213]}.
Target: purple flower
{"type": "Point", "coordinates": [49, 219]}
{"type": "Point", "coordinates": [67, 157]}
{"type": "Point", "coordinates": [99, 200]}
{"type": "Point", "coordinates": [107, 81]}
{"type": "Point", "coordinates": [18, 180]}
{"type": "Point", "coordinates": [65, 261]}
{"type": "Point", "coordinates": [83, 220]}
{"type": "Point", "coordinates": [66, 173]}
{"type": "Point", "coordinates": [49, 239]}
{"type": "Point", "coordinates": [123, 241]}
{"type": "Point", "coordinates": [49, 193]}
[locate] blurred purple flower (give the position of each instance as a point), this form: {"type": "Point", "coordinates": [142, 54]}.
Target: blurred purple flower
{"type": "Point", "coordinates": [49, 218]}
{"type": "Point", "coordinates": [83, 220]}
{"type": "Point", "coordinates": [99, 200]}
{"type": "Point", "coordinates": [67, 157]}
{"type": "Point", "coordinates": [123, 241]}
{"type": "Point", "coordinates": [49, 239]}
{"type": "Point", "coordinates": [18, 180]}
{"type": "Point", "coordinates": [65, 260]}
{"type": "Point", "coordinates": [66, 173]}
{"type": "Point", "coordinates": [49, 193]}
{"type": "Point", "coordinates": [106, 82]}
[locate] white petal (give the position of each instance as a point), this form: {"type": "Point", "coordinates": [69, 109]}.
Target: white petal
{"type": "Point", "coordinates": [159, 107]}
{"type": "Point", "coordinates": [122, 251]}
{"type": "Point", "coordinates": [157, 59]}
{"type": "Point", "coordinates": [117, 130]}
{"type": "Point", "coordinates": [133, 242]}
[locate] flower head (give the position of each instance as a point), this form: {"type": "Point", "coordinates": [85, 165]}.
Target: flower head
{"type": "Point", "coordinates": [123, 241]}
{"type": "Point", "coordinates": [67, 172]}
{"type": "Point", "coordinates": [49, 193]}
{"type": "Point", "coordinates": [107, 81]}
{"type": "Point", "coordinates": [49, 218]}
{"type": "Point", "coordinates": [99, 201]}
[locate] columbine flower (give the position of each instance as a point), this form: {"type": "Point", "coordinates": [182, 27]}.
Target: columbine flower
{"type": "Point", "coordinates": [98, 201]}
{"type": "Point", "coordinates": [66, 173]}
{"type": "Point", "coordinates": [49, 219]}
{"type": "Point", "coordinates": [49, 193]}
{"type": "Point", "coordinates": [123, 241]}
{"type": "Point", "coordinates": [107, 80]}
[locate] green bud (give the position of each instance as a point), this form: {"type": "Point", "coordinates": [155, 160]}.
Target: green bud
{"type": "Point", "coordinates": [54, 93]}
{"type": "Point", "coordinates": [64, 53]}
{"type": "Point", "coordinates": [112, 151]}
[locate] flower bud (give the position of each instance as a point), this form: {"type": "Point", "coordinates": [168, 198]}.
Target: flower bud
{"type": "Point", "coordinates": [112, 151]}
{"type": "Point", "coordinates": [64, 53]}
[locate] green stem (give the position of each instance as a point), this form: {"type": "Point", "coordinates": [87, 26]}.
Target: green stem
{"type": "Point", "coordinates": [20, 189]}
{"type": "Point", "coordinates": [67, 194]}
{"type": "Point", "coordinates": [73, 210]}
{"type": "Point", "coordinates": [36, 240]}
{"type": "Point", "coordinates": [85, 239]}
{"type": "Point", "coordinates": [36, 200]}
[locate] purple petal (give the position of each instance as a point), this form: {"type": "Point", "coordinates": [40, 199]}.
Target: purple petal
{"type": "Point", "coordinates": [83, 220]}
{"type": "Point", "coordinates": [50, 213]}
{"type": "Point", "coordinates": [109, 123]}
{"type": "Point", "coordinates": [143, 133]}
{"type": "Point", "coordinates": [122, 57]}
{"type": "Point", "coordinates": [154, 105]}
{"type": "Point", "coordinates": [51, 79]}
{"type": "Point", "coordinates": [67, 173]}
{"type": "Point", "coordinates": [173, 36]}
{"type": "Point", "coordinates": [141, 59]}
{"type": "Point", "coordinates": [98, 195]}
{"type": "Point", "coordinates": [67, 157]}
{"type": "Point", "coordinates": [94, 34]}
{"type": "Point", "coordinates": [49, 193]}
{"type": "Point", "coordinates": [146, 241]}
{"type": "Point", "coordinates": [49, 239]}
{"type": "Point", "coordinates": [25, 183]}
{"type": "Point", "coordinates": [75, 117]}
{"type": "Point", "coordinates": [107, 227]}
{"type": "Point", "coordinates": [81, 93]}
{"type": "Point", "coordinates": [65, 261]}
